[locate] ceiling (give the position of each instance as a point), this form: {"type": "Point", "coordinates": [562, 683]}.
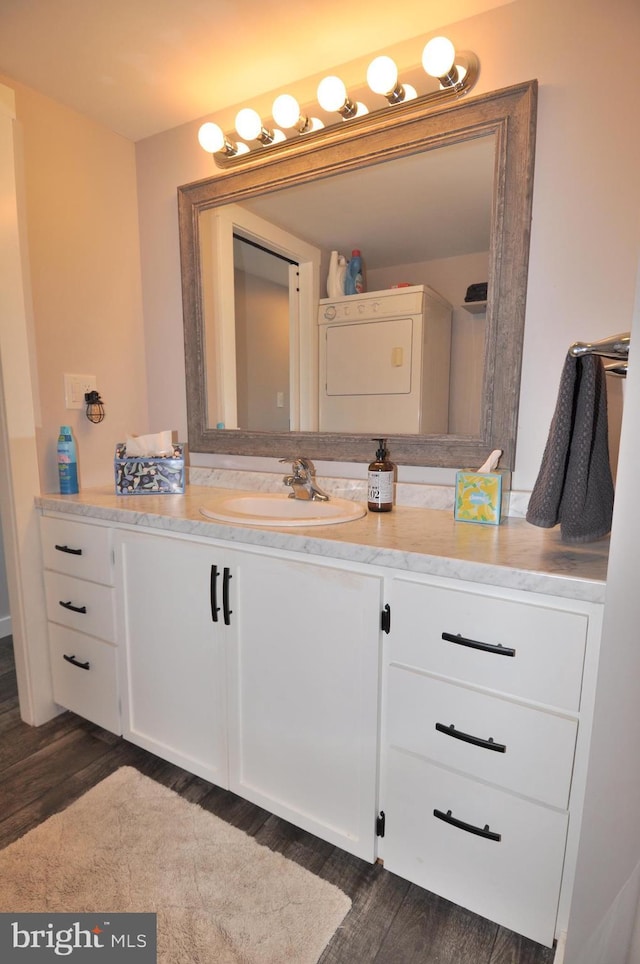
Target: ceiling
{"type": "Point", "coordinates": [139, 67]}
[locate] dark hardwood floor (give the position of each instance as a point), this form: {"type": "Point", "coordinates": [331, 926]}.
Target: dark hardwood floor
{"type": "Point", "coordinates": [44, 769]}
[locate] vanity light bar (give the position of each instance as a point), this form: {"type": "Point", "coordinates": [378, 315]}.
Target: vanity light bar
{"type": "Point", "coordinates": [456, 73]}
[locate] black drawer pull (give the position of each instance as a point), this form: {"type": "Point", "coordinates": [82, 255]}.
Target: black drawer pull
{"type": "Point", "coordinates": [74, 609]}
{"type": "Point", "coordinates": [74, 552]}
{"type": "Point", "coordinates": [469, 827]}
{"type": "Point", "coordinates": [489, 744]}
{"type": "Point", "coordinates": [213, 594]}
{"type": "Point", "coordinates": [498, 650]}
{"type": "Point", "coordinates": [226, 576]}
{"type": "Point", "coordinates": [76, 662]}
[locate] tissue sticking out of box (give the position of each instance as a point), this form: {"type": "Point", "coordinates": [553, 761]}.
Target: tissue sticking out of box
{"type": "Point", "coordinates": [490, 464]}
{"type": "Point", "coordinates": [159, 445]}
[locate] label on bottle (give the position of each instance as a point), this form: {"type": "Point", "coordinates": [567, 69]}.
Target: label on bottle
{"type": "Point", "coordinates": [380, 489]}
{"type": "Point", "coordinates": [68, 474]}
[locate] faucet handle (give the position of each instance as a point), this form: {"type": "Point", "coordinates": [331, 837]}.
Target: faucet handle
{"type": "Point", "coordinates": [301, 466]}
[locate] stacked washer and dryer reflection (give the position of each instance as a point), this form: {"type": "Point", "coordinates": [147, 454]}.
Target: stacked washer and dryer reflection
{"type": "Point", "coordinates": [384, 362]}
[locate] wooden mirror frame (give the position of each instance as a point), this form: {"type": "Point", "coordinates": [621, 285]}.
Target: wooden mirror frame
{"type": "Point", "coordinates": [509, 115]}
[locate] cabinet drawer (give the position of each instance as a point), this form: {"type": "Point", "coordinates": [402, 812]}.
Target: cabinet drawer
{"type": "Point", "coordinates": [534, 652]}
{"type": "Point", "coordinates": [513, 880]}
{"type": "Point", "coordinates": [521, 749]}
{"type": "Point", "coordinates": [88, 685]}
{"type": "Point", "coordinates": [77, 548]}
{"type": "Point", "coordinates": [81, 605]}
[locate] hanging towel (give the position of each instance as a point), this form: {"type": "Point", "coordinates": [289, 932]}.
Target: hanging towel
{"type": "Point", "coordinates": [574, 486]}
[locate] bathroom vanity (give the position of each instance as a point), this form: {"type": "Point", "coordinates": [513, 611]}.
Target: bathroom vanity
{"type": "Point", "coordinates": [406, 687]}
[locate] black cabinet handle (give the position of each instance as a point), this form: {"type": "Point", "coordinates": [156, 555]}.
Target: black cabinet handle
{"type": "Point", "coordinates": [74, 609]}
{"type": "Point", "coordinates": [489, 744]}
{"type": "Point", "coordinates": [74, 552]}
{"type": "Point", "coordinates": [76, 662]}
{"type": "Point", "coordinates": [468, 827]}
{"type": "Point", "coordinates": [213, 594]}
{"type": "Point", "coordinates": [226, 577]}
{"type": "Point", "coordinates": [497, 649]}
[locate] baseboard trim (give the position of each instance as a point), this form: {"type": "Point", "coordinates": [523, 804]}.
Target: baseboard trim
{"type": "Point", "coordinates": [5, 626]}
{"type": "Point", "coordinates": [560, 946]}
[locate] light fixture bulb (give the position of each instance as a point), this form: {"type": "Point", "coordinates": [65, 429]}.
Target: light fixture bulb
{"type": "Point", "coordinates": [286, 111]}
{"type": "Point", "coordinates": [382, 75]}
{"type": "Point", "coordinates": [211, 137]}
{"type": "Point", "coordinates": [332, 93]}
{"type": "Point", "coordinates": [438, 57]}
{"type": "Point", "coordinates": [248, 124]}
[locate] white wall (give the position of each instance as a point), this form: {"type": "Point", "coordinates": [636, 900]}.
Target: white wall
{"type": "Point", "coordinates": [71, 302]}
{"type": "Point", "coordinates": [77, 186]}
{"type": "Point", "coordinates": [584, 241]}
{"type": "Point", "coordinates": [20, 478]}
{"type": "Point", "coordinates": [608, 869]}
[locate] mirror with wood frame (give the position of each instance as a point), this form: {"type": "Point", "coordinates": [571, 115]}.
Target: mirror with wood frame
{"type": "Point", "coordinates": [387, 143]}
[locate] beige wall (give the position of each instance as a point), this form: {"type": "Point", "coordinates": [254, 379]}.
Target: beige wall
{"type": "Point", "coordinates": [586, 231]}
{"type": "Point", "coordinates": [83, 261]}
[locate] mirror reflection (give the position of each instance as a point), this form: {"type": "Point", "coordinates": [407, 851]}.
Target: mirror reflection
{"type": "Point", "coordinates": [396, 360]}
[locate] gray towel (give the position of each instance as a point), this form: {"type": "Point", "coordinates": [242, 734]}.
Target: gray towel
{"type": "Point", "coordinates": [574, 486]}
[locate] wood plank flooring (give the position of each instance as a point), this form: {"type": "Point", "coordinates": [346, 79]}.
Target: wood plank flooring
{"type": "Point", "coordinates": [44, 769]}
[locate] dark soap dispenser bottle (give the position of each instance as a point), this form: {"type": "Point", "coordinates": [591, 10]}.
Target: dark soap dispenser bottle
{"type": "Point", "coordinates": [382, 473]}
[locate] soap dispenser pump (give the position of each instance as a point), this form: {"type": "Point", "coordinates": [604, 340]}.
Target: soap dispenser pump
{"type": "Point", "coordinates": [380, 480]}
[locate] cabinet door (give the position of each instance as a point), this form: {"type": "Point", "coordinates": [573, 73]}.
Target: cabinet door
{"type": "Point", "coordinates": [174, 676]}
{"type": "Point", "coordinates": [304, 695]}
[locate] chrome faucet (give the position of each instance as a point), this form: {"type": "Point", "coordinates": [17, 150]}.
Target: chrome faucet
{"type": "Point", "coordinates": [303, 481]}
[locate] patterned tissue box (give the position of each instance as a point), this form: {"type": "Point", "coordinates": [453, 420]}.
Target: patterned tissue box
{"type": "Point", "coordinates": [149, 476]}
{"type": "Point", "coordinates": [481, 497]}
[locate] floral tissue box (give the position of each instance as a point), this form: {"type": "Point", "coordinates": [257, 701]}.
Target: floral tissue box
{"type": "Point", "coordinates": [149, 476]}
{"type": "Point", "coordinates": [481, 497]}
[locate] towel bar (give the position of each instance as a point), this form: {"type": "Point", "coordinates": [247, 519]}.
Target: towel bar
{"type": "Point", "coordinates": [617, 368]}
{"type": "Point", "coordinates": [616, 346]}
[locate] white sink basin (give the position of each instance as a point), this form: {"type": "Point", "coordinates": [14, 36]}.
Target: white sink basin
{"type": "Point", "coordinates": [277, 509]}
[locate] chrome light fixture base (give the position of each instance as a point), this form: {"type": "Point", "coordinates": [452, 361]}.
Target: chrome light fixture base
{"type": "Point", "coordinates": [458, 80]}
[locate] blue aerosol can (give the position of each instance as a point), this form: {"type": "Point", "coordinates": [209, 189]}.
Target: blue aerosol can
{"type": "Point", "coordinates": [67, 462]}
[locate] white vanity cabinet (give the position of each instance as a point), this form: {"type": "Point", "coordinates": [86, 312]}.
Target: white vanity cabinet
{"type": "Point", "coordinates": [79, 592]}
{"type": "Point", "coordinates": [259, 671]}
{"type": "Point", "coordinates": [451, 717]}
{"type": "Point", "coordinates": [483, 700]}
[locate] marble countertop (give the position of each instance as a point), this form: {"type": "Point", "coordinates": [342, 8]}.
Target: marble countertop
{"type": "Point", "coordinates": [514, 555]}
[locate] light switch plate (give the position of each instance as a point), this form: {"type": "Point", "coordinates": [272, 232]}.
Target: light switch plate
{"type": "Point", "coordinates": [75, 388]}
